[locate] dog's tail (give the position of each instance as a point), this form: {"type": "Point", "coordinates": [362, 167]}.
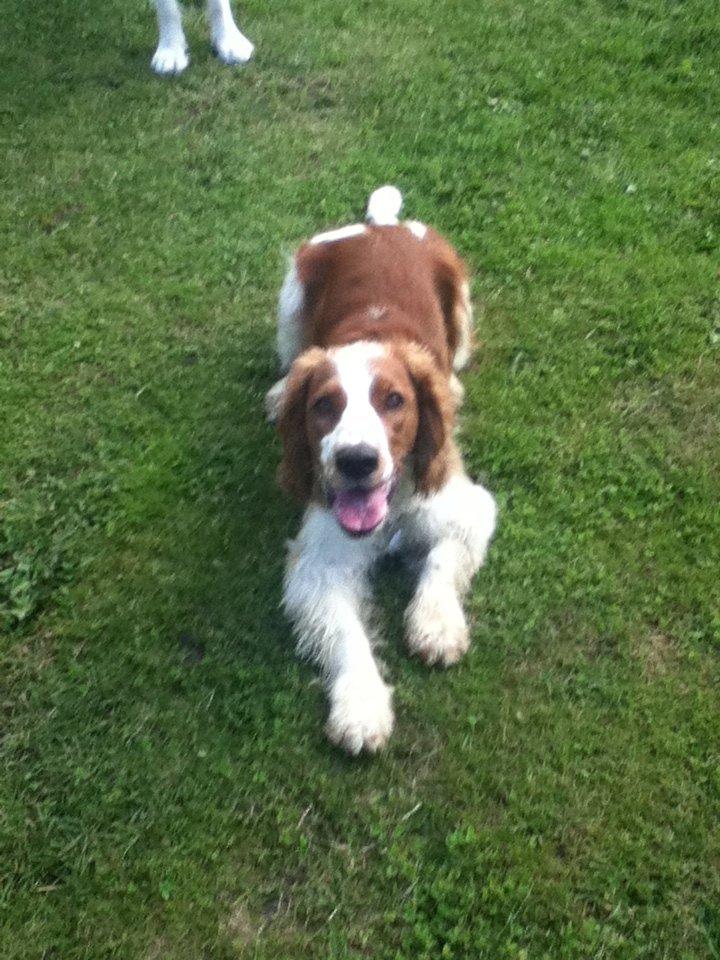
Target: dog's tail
{"type": "Point", "coordinates": [384, 206]}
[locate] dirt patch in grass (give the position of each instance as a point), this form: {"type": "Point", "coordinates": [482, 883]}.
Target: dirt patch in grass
{"type": "Point", "coordinates": [241, 927]}
{"type": "Point", "coordinates": [657, 653]}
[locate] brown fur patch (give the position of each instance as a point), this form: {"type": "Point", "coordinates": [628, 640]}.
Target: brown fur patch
{"type": "Point", "coordinates": [296, 470]}
{"type": "Point", "coordinates": [386, 285]}
{"type": "Point", "coordinates": [434, 452]}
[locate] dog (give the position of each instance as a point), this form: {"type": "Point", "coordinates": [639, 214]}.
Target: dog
{"type": "Point", "coordinates": [374, 321]}
{"type": "Point", "coordinates": [171, 56]}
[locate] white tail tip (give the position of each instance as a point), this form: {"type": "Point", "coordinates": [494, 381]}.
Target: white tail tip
{"type": "Point", "coordinates": [384, 206]}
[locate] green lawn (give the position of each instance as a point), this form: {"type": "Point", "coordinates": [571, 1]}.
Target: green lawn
{"type": "Point", "coordinates": [167, 793]}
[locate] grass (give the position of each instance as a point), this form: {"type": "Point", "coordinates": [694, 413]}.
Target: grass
{"type": "Point", "coordinates": [167, 791]}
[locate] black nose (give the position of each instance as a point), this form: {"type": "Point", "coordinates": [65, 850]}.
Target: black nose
{"type": "Point", "coordinates": [356, 462]}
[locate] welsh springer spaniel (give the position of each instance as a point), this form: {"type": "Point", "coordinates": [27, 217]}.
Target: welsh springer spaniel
{"type": "Point", "coordinates": [373, 321]}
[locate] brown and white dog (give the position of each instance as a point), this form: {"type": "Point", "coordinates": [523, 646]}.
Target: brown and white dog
{"type": "Point", "coordinates": [373, 321]}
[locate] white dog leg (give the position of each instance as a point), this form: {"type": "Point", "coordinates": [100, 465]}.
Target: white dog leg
{"type": "Point", "coordinates": [325, 591]}
{"type": "Point", "coordinates": [230, 44]}
{"type": "Point", "coordinates": [457, 523]}
{"type": "Point", "coordinates": [171, 54]}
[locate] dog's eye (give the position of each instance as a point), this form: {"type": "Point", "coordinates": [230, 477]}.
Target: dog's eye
{"type": "Point", "coordinates": [394, 401]}
{"type": "Point", "coordinates": [324, 407]}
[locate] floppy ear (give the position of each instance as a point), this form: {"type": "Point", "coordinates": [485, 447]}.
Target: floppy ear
{"type": "Point", "coordinates": [295, 473]}
{"type": "Point", "coordinates": [434, 447]}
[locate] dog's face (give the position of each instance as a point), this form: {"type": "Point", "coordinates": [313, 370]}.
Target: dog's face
{"type": "Point", "coordinates": [353, 418]}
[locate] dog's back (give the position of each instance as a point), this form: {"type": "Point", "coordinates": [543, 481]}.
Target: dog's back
{"type": "Point", "coordinates": [384, 281]}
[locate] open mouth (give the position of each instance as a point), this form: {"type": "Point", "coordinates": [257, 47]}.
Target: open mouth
{"type": "Point", "coordinates": [359, 511]}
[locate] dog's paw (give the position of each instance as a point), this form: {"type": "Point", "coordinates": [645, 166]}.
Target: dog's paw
{"type": "Point", "coordinates": [436, 628]}
{"type": "Point", "coordinates": [232, 47]}
{"type": "Point", "coordinates": [361, 716]}
{"type": "Point", "coordinates": [170, 59]}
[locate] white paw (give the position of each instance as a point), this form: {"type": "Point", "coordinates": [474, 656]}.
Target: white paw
{"type": "Point", "coordinates": [232, 46]}
{"type": "Point", "coordinates": [361, 716]}
{"type": "Point", "coordinates": [170, 59]}
{"type": "Point", "coordinates": [436, 628]}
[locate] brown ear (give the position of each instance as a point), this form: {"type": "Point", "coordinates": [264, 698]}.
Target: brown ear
{"type": "Point", "coordinates": [433, 452]}
{"type": "Point", "coordinates": [295, 473]}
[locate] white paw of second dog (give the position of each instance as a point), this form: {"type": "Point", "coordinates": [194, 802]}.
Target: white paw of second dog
{"type": "Point", "coordinates": [361, 716]}
{"type": "Point", "coordinates": [170, 59]}
{"type": "Point", "coordinates": [436, 628]}
{"type": "Point", "coordinates": [232, 47]}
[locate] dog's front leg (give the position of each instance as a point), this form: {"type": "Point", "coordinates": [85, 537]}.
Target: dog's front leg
{"type": "Point", "coordinates": [326, 590]}
{"type": "Point", "coordinates": [457, 524]}
{"type": "Point", "coordinates": [230, 44]}
{"type": "Point", "coordinates": [171, 54]}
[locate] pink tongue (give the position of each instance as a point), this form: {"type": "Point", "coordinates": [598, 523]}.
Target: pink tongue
{"type": "Point", "coordinates": [359, 511]}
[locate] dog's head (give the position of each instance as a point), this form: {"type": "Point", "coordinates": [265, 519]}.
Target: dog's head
{"type": "Point", "coordinates": [354, 419]}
